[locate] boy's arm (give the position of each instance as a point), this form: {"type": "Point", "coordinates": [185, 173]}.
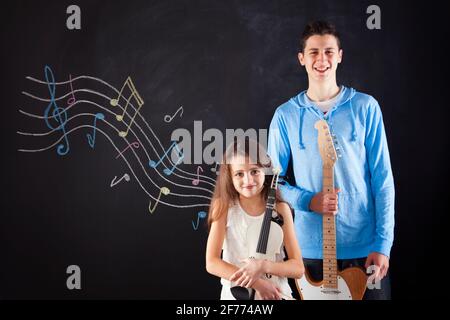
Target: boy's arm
{"type": "Point", "coordinates": [279, 152]}
{"type": "Point", "coordinates": [382, 182]}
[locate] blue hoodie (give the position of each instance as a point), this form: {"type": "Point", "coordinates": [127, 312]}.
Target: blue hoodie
{"type": "Point", "coordinates": [365, 219]}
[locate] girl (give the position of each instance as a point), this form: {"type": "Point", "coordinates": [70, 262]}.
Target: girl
{"type": "Point", "coordinates": [239, 200]}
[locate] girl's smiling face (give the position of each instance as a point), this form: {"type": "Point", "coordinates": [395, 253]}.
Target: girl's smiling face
{"type": "Point", "coordinates": [248, 179]}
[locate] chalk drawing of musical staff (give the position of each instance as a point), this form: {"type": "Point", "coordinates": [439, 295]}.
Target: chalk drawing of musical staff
{"type": "Point", "coordinates": [133, 94]}
{"type": "Point", "coordinates": [72, 99]}
{"type": "Point", "coordinates": [133, 144]}
{"type": "Point", "coordinates": [168, 118]}
{"type": "Point", "coordinates": [58, 114]}
{"type": "Point", "coordinates": [146, 126]}
{"type": "Point", "coordinates": [165, 191]}
{"type": "Point", "coordinates": [114, 182]}
{"type": "Point", "coordinates": [195, 182]}
{"type": "Point", "coordinates": [200, 215]}
{"type": "Point", "coordinates": [91, 138]}
{"type": "Point", "coordinates": [139, 175]}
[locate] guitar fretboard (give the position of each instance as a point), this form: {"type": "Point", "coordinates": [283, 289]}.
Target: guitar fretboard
{"type": "Point", "coordinates": [265, 228]}
{"type": "Point", "coordinates": [329, 235]}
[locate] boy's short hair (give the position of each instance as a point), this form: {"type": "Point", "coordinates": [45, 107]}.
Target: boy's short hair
{"type": "Point", "coordinates": [319, 28]}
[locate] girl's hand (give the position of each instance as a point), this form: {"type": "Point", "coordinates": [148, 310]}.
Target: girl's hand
{"type": "Point", "coordinates": [251, 271]}
{"type": "Point", "coordinates": [266, 290]}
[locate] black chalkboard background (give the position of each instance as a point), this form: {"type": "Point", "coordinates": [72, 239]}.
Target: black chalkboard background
{"type": "Point", "coordinates": [229, 64]}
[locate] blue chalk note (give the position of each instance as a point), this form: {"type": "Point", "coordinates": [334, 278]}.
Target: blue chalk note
{"type": "Point", "coordinates": [166, 171]}
{"type": "Point", "coordinates": [91, 138]}
{"type": "Point", "coordinates": [200, 215]}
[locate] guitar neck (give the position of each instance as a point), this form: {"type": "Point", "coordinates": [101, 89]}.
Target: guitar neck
{"type": "Point", "coordinates": [329, 235]}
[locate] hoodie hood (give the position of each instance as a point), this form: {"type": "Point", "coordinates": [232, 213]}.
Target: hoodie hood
{"type": "Point", "coordinates": [303, 102]}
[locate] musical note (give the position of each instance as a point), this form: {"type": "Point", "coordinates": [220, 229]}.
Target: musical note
{"type": "Point", "coordinates": [137, 97]}
{"type": "Point", "coordinates": [71, 100]}
{"type": "Point", "coordinates": [91, 139]}
{"type": "Point", "coordinates": [166, 171]}
{"type": "Point", "coordinates": [195, 182]}
{"type": "Point", "coordinates": [165, 191]}
{"type": "Point", "coordinates": [168, 118]}
{"type": "Point", "coordinates": [125, 176]}
{"type": "Point", "coordinates": [215, 169]}
{"type": "Point", "coordinates": [58, 114]}
{"type": "Point", "coordinates": [133, 144]}
{"type": "Point", "coordinates": [200, 215]}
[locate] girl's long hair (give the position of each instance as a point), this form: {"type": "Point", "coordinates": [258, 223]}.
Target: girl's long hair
{"type": "Point", "coordinates": [225, 195]}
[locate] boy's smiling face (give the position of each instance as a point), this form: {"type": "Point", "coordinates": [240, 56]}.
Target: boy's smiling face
{"type": "Point", "coordinates": [321, 57]}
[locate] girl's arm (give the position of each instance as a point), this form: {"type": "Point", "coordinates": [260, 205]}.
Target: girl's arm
{"type": "Point", "coordinates": [291, 268]}
{"type": "Point", "coordinates": [214, 263]}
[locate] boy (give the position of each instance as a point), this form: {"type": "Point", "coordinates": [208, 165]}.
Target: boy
{"type": "Point", "coordinates": [365, 212]}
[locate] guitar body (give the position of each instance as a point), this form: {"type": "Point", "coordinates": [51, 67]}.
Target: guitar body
{"type": "Point", "coordinates": [274, 243]}
{"type": "Point", "coordinates": [351, 286]}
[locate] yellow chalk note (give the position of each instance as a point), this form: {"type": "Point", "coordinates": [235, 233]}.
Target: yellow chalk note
{"type": "Point", "coordinates": [133, 94]}
{"type": "Point", "coordinates": [165, 191]}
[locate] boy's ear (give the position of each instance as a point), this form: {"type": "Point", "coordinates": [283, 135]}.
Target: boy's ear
{"type": "Point", "coordinates": [301, 58]}
{"type": "Point", "coordinates": [341, 54]}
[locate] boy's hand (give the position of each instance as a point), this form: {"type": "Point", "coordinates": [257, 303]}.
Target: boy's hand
{"type": "Point", "coordinates": [381, 263]}
{"type": "Point", "coordinates": [325, 203]}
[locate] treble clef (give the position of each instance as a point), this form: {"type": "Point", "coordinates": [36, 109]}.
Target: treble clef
{"type": "Point", "coordinates": [59, 114]}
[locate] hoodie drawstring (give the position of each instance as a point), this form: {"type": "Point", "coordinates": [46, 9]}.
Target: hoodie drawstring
{"type": "Point", "coordinates": [302, 146]}
{"type": "Point", "coordinates": [354, 134]}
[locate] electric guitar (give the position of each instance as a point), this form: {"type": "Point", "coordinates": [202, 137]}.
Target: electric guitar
{"type": "Point", "coordinates": [349, 284]}
{"type": "Point", "coordinates": [264, 242]}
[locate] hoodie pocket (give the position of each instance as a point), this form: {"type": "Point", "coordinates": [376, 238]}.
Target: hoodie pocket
{"type": "Point", "coordinates": [355, 219]}
{"type": "Point", "coordinates": [308, 227]}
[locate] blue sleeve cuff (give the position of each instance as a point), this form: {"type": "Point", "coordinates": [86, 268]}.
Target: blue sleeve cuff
{"type": "Point", "coordinates": [382, 246]}
{"type": "Point", "coordinates": [297, 198]}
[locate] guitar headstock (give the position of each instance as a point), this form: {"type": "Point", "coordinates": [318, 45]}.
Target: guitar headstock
{"type": "Point", "coordinates": [276, 174]}
{"type": "Point", "coordinates": [327, 144]}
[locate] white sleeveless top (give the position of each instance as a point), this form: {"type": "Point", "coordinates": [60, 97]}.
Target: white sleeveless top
{"type": "Point", "coordinates": [235, 246]}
